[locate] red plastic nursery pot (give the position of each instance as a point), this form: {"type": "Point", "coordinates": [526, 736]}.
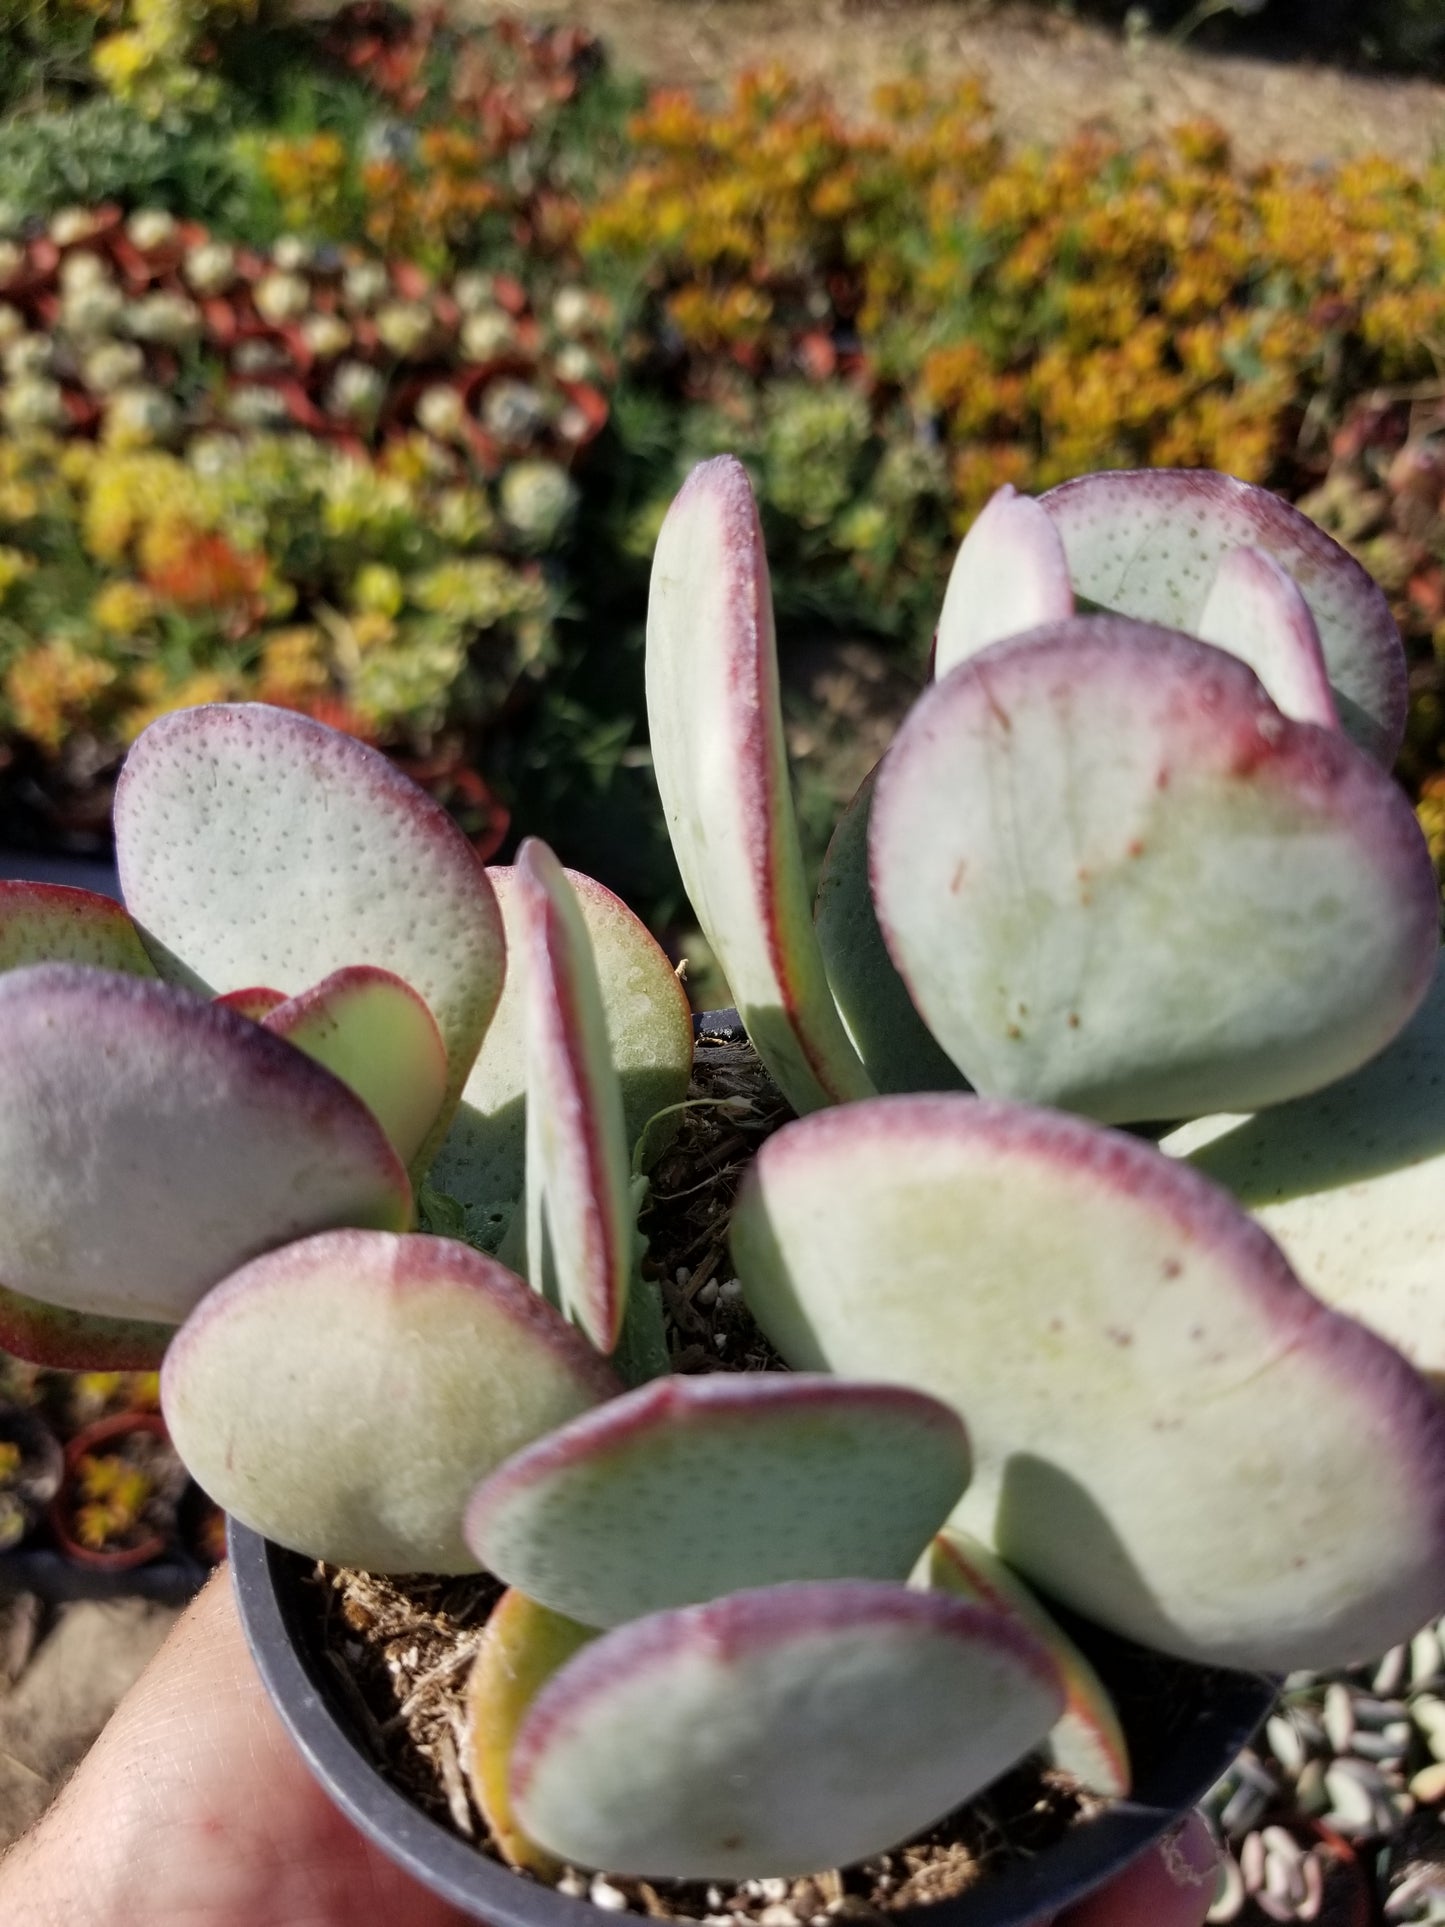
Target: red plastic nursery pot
{"type": "Point", "coordinates": [92, 1438]}
{"type": "Point", "coordinates": [1214, 1714]}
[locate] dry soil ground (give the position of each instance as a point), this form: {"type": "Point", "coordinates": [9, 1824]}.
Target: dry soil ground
{"type": "Point", "coordinates": [60, 1676]}
{"type": "Point", "coordinates": [1046, 74]}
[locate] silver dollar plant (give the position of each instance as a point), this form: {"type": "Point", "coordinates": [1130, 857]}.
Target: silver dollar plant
{"type": "Point", "coordinates": [1109, 875]}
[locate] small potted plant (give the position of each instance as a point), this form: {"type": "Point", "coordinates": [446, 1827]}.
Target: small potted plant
{"type": "Point", "coordinates": [379, 1213]}
{"type": "Point", "coordinates": [116, 1507]}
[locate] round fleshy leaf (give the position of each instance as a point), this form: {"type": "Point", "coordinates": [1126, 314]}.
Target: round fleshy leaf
{"type": "Point", "coordinates": [776, 1732]}
{"type": "Point", "coordinates": [373, 1032]}
{"type": "Point", "coordinates": [897, 1048]}
{"type": "Point", "coordinates": [53, 923]}
{"type": "Point", "coordinates": [1011, 574]}
{"type": "Point", "coordinates": [522, 1647]}
{"type": "Point", "coordinates": [1350, 1182]}
{"type": "Point", "coordinates": [256, 846]}
{"type": "Point", "coordinates": [345, 1395]}
{"type": "Point", "coordinates": [716, 727]}
{"type": "Point", "coordinates": [76, 1341]}
{"type": "Point", "coordinates": [1117, 880]}
{"type": "Point", "coordinates": [1170, 1433]}
{"type": "Point", "coordinates": [579, 1176]}
{"type": "Point", "coordinates": [1256, 611]}
{"type": "Point", "coordinates": [151, 1142]}
{"type": "Point", "coordinates": [649, 1032]}
{"type": "Point", "coordinates": [1088, 1741]}
{"type": "Point", "coordinates": [805, 1478]}
{"type": "Point", "coordinates": [1147, 543]}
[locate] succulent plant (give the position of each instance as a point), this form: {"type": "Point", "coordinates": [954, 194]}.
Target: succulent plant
{"type": "Point", "coordinates": [407, 329]}
{"type": "Point", "coordinates": [139, 414]}
{"type": "Point", "coordinates": [281, 296]}
{"type": "Point", "coordinates": [326, 335]}
{"type": "Point", "coordinates": [486, 333]}
{"type": "Point", "coordinates": [170, 319]}
{"type": "Point", "coordinates": [32, 401]}
{"type": "Point", "coordinates": [152, 227]}
{"type": "Point", "coordinates": [357, 1133]}
{"type": "Point", "coordinates": [210, 267]}
{"type": "Point", "coordinates": [1139, 863]}
{"type": "Point", "coordinates": [112, 365]}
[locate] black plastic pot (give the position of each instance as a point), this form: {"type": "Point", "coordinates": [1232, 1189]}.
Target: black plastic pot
{"type": "Point", "coordinates": [1213, 1715]}
{"type": "Point", "coordinates": [171, 1581]}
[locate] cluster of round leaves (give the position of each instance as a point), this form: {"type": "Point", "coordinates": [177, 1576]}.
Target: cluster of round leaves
{"type": "Point", "coordinates": [346, 1389]}
{"type": "Point", "coordinates": [1141, 864]}
{"type": "Point", "coordinates": [1065, 1292]}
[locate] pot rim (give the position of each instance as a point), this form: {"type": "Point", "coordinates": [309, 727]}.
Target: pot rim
{"type": "Point", "coordinates": [266, 1579]}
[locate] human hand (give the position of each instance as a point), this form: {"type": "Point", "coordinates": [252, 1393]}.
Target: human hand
{"type": "Point", "coordinates": [193, 1809]}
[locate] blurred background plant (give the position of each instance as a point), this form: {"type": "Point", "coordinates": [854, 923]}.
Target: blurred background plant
{"type": "Point", "coordinates": [351, 361]}
{"type": "Point", "coordinates": [299, 475]}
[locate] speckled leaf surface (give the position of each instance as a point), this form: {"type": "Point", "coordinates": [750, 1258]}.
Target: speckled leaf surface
{"type": "Point", "coordinates": [693, 1487]}
{"type": "Point", "coordinates": [1010, 575]}
{"type": "Point", "coordinates": [53, 923]}
{"type": "Point", "coordinates": [1351, 1183]}
{"type": "Point", "coordinates": [1170, 1433]}
{"type": "Point", "coordinates": [258, 847]}
{"type": "Point", "coordinates": [77, 1341]}
{"type": "Point", "coordinates": [1147, 543]}
{"type": "Point", "coordinates": [345, 1395]}
{"type": "Point", "coordinates": [375, 1033]}
{"type": "Point", "coordinates": [1256, 611]}
{"type": "Point", "coordinates": [522, 1647]}
{"type": "Point", "coordinates": [897, 1048]}
{"type": "Point", "coordinates": [1151, 894]}
{"type": "Point", "coordinates": [579, 1176]}
{"type": "Point", "coordinates": [1088, 1741]}
{"type": "Point", "coordinates": [649, 1035]}
{"type": "Point", "coordinates": [715, 722]}
{"type": "Point", "coordinates": [778, 1731]}
{"type": "Point", "coordinates": [151, 1142]}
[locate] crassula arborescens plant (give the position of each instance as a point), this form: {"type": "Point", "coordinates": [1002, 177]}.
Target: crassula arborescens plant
{"type": "Point", "coordinates": [319, 1024]}
{"type": "Point", "coordinates": [1020, 1341]}
{"type": "Point", "coordinates": [1134, 856]}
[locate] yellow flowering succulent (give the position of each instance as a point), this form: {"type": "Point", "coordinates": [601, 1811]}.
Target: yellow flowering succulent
{"type": "Point", "coordinates": [15, 565]}
{"type": "Point", "coordinates": [123, 607]}
{"type": "Point", "coordinates": [51, 688]}
{"type": "Point", "coordinates": [1086, 305]}
{"type": "Point", "coordinates": [378, 590]}
{"type": "Point", "coordinates": [149, 59]}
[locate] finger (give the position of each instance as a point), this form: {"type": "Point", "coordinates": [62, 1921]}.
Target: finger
{"type": "Point", "coordinates": [195, 1810]}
